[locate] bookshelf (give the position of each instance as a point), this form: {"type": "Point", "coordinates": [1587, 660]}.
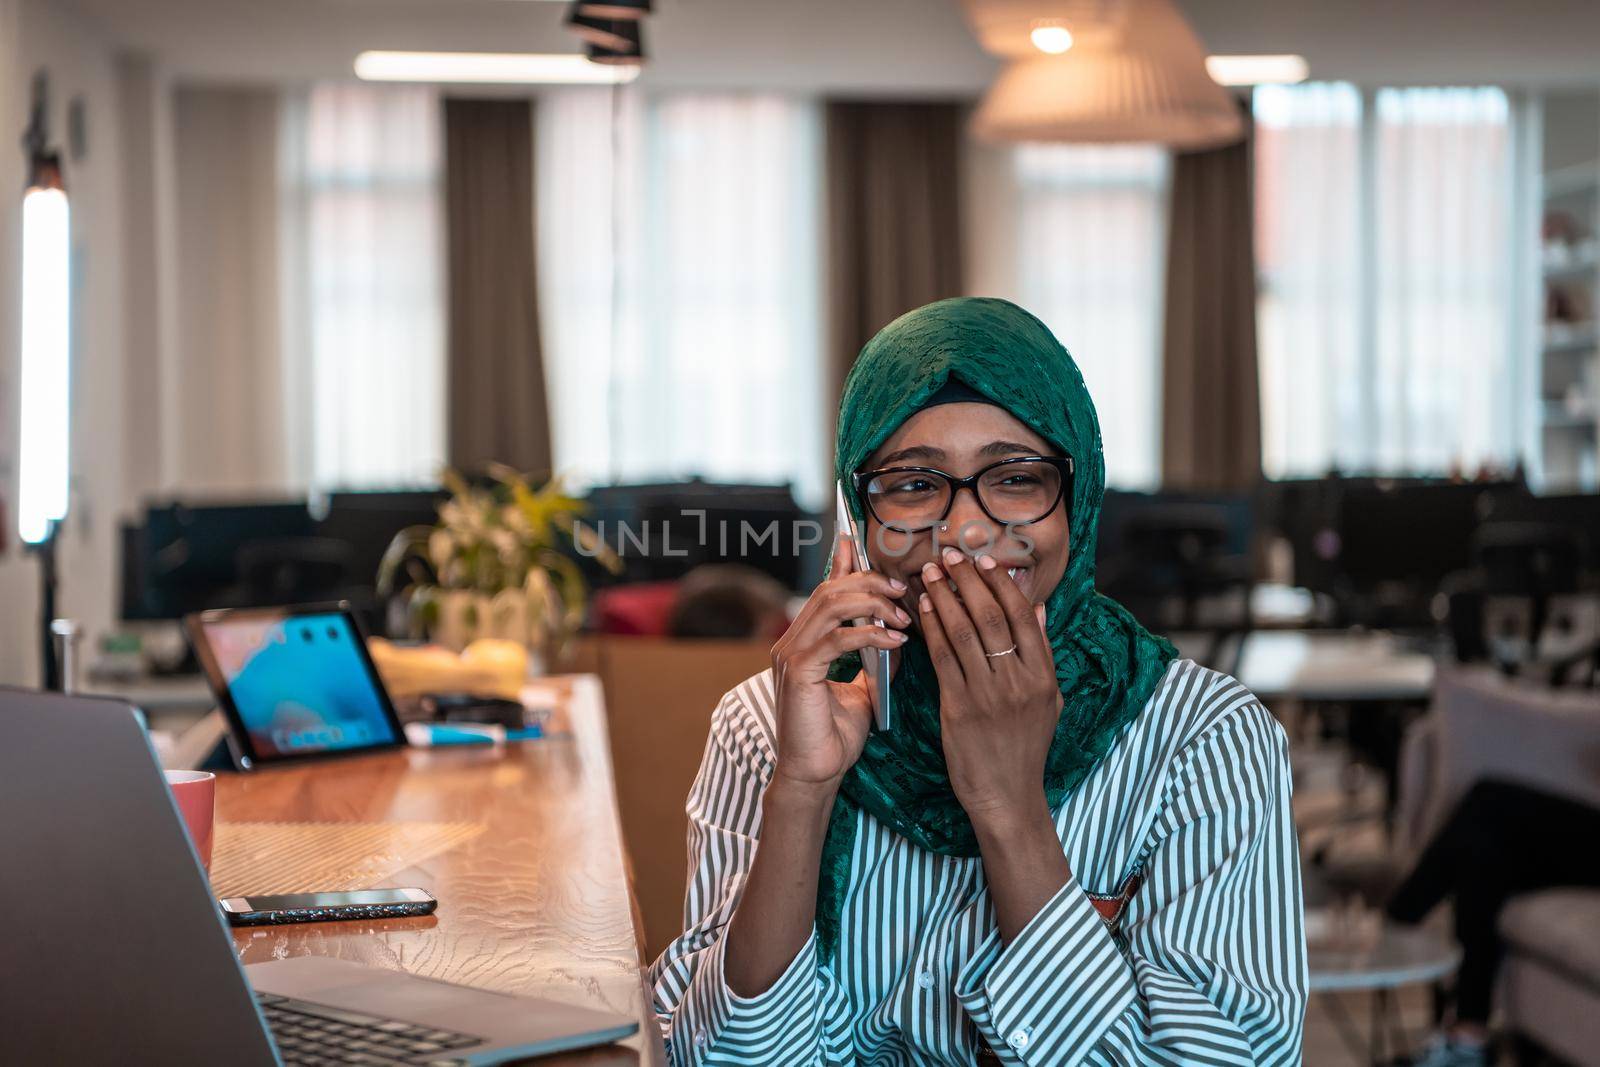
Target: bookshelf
{"type": "Point", "coordinates": [1568, 334]}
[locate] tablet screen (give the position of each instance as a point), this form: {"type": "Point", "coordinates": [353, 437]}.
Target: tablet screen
{"type": "Point", "coordinates": [299, 683]}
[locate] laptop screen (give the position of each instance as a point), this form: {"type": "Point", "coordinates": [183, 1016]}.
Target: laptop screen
{"type": "Point", "coordinates": [300, 683]}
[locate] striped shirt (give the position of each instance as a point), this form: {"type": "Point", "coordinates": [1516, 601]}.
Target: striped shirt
{"type": "Point", "coordinates": [1208, 964]}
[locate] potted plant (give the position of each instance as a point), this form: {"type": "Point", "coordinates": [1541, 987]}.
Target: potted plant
{"type": "Point", "coordinates": [494, 566]}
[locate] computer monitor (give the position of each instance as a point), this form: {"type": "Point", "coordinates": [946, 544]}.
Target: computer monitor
{"type": "Point", "coordinates": [1391, 545]}
{"type": "Point", "coordinates": [185, 557]}
{"type": "Point", "coordinates": [1578, 512]}
{"type": "Point", "coordinates": [664, 530]}
{"type": "Point", "coordinates": [367, 522]}
{"type": "Point", "coordinates": [188, 557]}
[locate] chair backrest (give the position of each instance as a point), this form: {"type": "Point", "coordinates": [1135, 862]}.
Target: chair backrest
{"type": "Point", "coordinates": [1483, 725]}
{"type": "Point", "coordinates": [659, 697]}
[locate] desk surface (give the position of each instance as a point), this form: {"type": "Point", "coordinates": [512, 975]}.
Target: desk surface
{"type": "Point", "coordinates": [1334, 666]}
{"type": "Point", "coordinates": [536, 903]}
{"type": "Point", "coordinates": [1326, 665]}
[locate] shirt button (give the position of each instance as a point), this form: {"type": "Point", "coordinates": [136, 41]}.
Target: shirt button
{"type": "Point", "coordinates": [700, 1038]}
{"type": "Point", "coordinates": [925, 979]}
{"type": "Point", "coordinates": [1019, 1037]}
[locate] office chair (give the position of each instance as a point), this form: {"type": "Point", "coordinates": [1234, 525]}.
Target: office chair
{"type": "Point", "coordinates": [1527, 605]}
{"type": "Point", "coordinates": [292, 570]}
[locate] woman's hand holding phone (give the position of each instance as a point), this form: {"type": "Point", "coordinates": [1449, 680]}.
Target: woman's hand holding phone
{"type": "Point", "coordinates": [822, 725]}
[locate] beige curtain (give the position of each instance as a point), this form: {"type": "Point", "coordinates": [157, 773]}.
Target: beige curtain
{"type": "Point", "coordinates": [498, 410]}
{"type": "Point", "coordinates": [894, 217]}
{"type": "Point", "coordinates": [1211, 417]}
{"type": "Point", "coordinates": [225, 428]}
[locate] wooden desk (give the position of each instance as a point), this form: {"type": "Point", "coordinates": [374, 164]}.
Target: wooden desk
{"type": "Point", "coordinates": [536, 903]}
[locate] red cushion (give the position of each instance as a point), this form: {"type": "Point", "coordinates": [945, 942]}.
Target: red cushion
{"type": "Point", "coordinates": [639, 609]}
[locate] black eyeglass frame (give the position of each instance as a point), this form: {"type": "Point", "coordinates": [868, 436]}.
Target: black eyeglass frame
{"type": "Point", "coordinates": [1063, 464]}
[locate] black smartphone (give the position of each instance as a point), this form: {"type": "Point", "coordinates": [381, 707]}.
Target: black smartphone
{"type": "Point", "coordinates": [275, 909]}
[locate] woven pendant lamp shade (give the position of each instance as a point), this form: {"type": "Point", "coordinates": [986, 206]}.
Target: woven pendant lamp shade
{"type": "Point", "coordinates": [1005, 27]}
{"type": "Point", "coordinates": [1135, 72]}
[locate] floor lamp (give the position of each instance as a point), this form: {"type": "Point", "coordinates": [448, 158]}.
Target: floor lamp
{"type": "Point", "coordinates": [45, 394]}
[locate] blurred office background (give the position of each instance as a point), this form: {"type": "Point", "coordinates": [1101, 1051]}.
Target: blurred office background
{"type": "Point", "coordinates": [1344, 351]}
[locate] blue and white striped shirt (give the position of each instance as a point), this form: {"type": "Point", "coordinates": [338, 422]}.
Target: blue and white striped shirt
{"type": "Point", "coordinates": [1207, 966]}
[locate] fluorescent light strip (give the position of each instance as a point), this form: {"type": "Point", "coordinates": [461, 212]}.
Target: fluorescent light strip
{"type": "Point", "coordinates": [509, 68]}
{"type": "Point", "coordinates": [1257, 70]}
{"type": "Point", "coordinates": [46, 386]}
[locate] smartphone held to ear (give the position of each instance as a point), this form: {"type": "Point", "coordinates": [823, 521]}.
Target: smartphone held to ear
{"type": "Point", "coordinates": [874, 661]}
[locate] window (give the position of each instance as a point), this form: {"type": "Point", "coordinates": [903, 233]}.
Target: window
{"type": "Point", "coordinates": [1076, 234]}
{"type": "Point", "coordinates": [679, 279]}
{"type": "Point", "coordinates": [362, 231]}
{"type": "Point", "coordinates": [1383, 244]}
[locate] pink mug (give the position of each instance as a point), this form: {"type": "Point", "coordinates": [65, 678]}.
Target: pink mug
{"type": "Point", "coordinates": [196, 794]}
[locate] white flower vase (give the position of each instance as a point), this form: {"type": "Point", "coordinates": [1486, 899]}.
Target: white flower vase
{"type": "Point", "coordinates": [466, 615]}
{"type": "Point", "coordinates": [462, 616]}
{"type": "Point", "coordinates": [508, 616]}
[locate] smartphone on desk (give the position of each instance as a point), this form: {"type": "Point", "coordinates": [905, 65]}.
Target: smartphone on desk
{"type": "Point", "coordinates": [280, 908]}
{"type": "Point", "coordinates": [874, 661]}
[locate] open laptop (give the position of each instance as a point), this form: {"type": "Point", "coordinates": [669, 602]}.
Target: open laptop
{"type": "Point", "coordinates": [115, 951]}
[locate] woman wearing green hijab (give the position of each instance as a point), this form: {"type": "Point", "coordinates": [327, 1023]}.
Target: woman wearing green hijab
{"type": "Point", "coordinates": [1070, 847]}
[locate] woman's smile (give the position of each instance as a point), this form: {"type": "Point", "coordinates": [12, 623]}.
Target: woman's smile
{"type": "Point", "coordinates": [961, 438]}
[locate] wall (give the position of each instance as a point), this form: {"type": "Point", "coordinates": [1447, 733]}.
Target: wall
{"type": "Point", "coordinates": [78, 57]}
{"type": "Point", "coordinates": [1571, 129]}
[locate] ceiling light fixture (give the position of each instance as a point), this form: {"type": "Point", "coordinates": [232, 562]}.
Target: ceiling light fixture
{"type": "Point", "coordinates": [1051, 38]}
{"type": "Point", "coordinates": [1257, 70]}
{"type": "Point", "coordinates": [1135, 73]}
{"type": "Point", "coordinates": [1009, 28]}
{"type": "Point", "coordinates": [508, 68]}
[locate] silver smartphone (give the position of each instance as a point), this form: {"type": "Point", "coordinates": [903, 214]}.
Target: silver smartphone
{"type": "Point", "coordinates": [282, 908]}
{"type": "Point", "coordinates": [874, 661]}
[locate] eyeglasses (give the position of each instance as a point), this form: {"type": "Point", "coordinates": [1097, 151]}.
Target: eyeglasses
{"type": "Point", "coordinates": [1012, 492]}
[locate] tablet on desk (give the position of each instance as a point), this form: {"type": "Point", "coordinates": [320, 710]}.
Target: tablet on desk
{"type": "Point", "coordinates": [294, 682]}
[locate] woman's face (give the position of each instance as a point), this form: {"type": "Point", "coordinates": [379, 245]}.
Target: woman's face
{"type": "Point", "coordinates": [960, 439]}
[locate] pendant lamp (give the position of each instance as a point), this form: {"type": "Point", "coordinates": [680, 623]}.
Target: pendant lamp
{"type": "Point", "coordinates": [1133, 71]}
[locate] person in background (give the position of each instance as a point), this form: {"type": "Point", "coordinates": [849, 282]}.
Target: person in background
{"type": "Point", "coordinates": [729, 601]}
{"type": "Point", "coordinates": [1502, 839]}
{"type": "Point", "coordinates": [1071, 847]}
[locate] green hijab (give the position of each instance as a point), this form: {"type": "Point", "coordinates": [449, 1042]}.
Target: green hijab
{"type": "Point", "coordinates": [1107, 664]}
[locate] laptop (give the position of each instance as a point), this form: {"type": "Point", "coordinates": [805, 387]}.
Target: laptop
{"type": "Point", "coordinates": [115, 951]}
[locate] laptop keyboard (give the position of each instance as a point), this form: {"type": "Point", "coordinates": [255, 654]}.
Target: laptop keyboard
{"type": "Point", "coordinates": [315, 1034]}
